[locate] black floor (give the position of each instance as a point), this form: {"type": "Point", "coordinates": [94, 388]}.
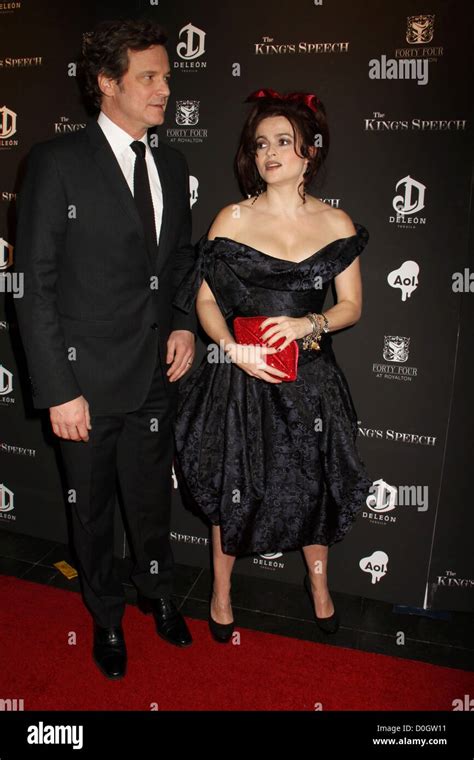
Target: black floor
{"type": "Point", "coordinates": [272, 607]}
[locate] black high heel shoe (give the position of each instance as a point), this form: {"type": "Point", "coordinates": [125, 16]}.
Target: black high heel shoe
{"type": "Point", "coordinates": [221, 632]}
{"type": "Point", "coordinates": [326, 624]}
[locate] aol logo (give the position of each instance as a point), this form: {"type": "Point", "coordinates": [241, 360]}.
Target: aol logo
{"type": "Point", "coordinates": [405, 278]}
{"type": "Point", "coordinates": [6, 381]}
{"type": "Point", "coordinates": [7, 123]}
{"type": "Point", "coordinates": [6, 499]}
{"type": "Point", "coordinates": [193, 46]}
{"type": "Point", "coordinates": [383, 497]}
{"type": "Point", "coordinates": [413, 198]}
{"type": "Point", "coordinates": [376, 565]}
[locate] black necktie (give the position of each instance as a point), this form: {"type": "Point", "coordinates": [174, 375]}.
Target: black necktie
{"type": "Point", "coordinates": [142, 195]}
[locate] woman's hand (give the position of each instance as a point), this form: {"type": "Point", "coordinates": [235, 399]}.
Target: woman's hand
{"type": "Point", "coordinates": [251, 359]}
{"type": "Point", "coordinates": [289, 328]}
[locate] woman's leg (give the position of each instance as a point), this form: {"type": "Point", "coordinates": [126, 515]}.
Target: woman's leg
{"type": "Point", "coordinates": [221, 609]}
{"type": "Point", "coordinates": [316, 557]}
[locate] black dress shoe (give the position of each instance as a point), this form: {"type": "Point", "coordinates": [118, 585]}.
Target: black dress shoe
{"type": "Point", "coordinates": [326, 624]}
{"type": "Point", "coordinates": [170, 624]}
{"type": "Point", "coordinates": [109, 651]}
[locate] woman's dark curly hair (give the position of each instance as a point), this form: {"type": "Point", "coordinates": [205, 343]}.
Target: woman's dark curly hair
{"type": "Point", "coordinates": [307, 125]}
{"type": "Point", "coordinates": [104, 51]}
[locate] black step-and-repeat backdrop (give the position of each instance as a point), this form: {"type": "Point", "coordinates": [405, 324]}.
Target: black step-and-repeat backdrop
{"type": "Point", "coordinates": [395, 81]}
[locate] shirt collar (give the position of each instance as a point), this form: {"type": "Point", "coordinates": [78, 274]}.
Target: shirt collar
{"type": "Point", "coordinates": [119, 139]}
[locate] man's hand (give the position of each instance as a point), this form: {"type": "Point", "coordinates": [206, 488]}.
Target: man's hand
{"type": "Point", "coordinates": [180, 351]}
{"type": "Point", "coordinates": [71, 420]}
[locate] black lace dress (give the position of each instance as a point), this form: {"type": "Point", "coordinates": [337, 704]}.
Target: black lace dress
{"type": "Point", "coordinates": [275, 465]}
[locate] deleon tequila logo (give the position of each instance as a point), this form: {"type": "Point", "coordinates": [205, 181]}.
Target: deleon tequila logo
{"type": "Point", "coordinates": [6, 503]}
{"type": "Point", "coordinates": [8, 124]}
{"type": "Point", "coordinates": [6, 254]}
{"type": "Point", "coordinates": [191, 47]}
{"type": "Point", "coordinates": [6, 381]}
{"type": "Point", "coordinates": [409, 202]}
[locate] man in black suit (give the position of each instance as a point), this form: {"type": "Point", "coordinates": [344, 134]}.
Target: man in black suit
{"type": "Point", "coordinates": [104, 226]}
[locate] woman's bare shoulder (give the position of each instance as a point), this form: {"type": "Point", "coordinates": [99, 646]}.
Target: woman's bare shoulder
{"type": "Point", "coordinates": [338, 222]}
{"type": "Point", "coordinates": [230, 220]}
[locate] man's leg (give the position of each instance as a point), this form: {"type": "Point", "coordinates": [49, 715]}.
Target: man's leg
{"type": "Point", "coordinates": [144, 460]}
{"type": "Point", "coordinates": [91, 475]}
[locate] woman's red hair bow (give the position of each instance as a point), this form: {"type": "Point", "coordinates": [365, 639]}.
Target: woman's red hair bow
{"type": "Point", "coordinates": [308, 98]}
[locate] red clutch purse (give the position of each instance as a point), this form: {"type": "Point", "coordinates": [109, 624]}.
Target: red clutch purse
{"type": "Point", "coordinates": [246, 330]}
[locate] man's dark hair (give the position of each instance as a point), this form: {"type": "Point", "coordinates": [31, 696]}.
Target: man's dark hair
{"type": "Point", "coordinates": [104, 50]}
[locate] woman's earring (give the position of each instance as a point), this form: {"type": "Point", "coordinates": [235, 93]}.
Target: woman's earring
{"type": "Point", "coordinates": [259, 189]}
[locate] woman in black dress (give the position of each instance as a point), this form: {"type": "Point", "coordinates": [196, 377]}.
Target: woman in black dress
{"type": "Point", "coordinates": [273, 464]}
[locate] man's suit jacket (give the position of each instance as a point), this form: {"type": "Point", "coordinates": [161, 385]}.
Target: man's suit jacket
{"type": "Point", "coordinates": [97, 307]}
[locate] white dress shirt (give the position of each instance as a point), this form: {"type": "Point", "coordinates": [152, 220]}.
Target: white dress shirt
{"type": "Point", "coordinates": [120, 141]}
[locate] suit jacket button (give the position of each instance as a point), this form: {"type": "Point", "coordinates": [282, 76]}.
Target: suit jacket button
{"type": "Point", "coordinates": [154, 326]}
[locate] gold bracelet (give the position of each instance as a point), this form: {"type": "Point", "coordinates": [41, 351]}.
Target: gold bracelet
{"type": "Point", "coordinates": [326, 323]}
{"type": "Point", "coordinates": [313, 321]}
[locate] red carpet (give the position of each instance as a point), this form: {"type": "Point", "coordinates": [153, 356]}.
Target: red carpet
{"type": "Point", "coordinates": [265, 672]}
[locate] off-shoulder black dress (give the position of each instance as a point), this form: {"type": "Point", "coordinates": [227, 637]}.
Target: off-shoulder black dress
{"type": "Point", "coordinates": [275, 465]}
